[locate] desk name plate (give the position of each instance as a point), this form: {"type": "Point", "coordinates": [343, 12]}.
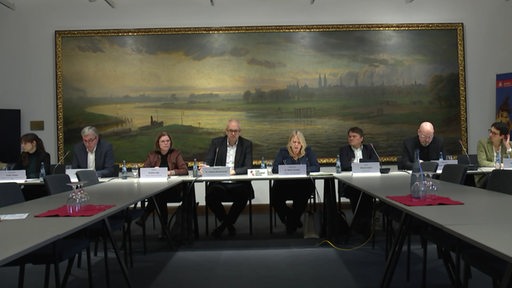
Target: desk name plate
{"type": "Point", "coordinates": [257, 172]}
{"type": "Point", "coordinates": [11, 175]}
{"type": "Point", "coordinates": [157, 172]}
{"type": "Point", "coordinates": [293, 169]}
{"type": "Point", "coordinates": [507, 163]}
{"type": "Point", "coordinates": [365, 168]}
{"type": "Point", "coordinates": [216, 171]}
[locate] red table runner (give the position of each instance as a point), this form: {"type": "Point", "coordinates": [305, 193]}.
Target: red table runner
{"type": "Point", "coordinates": [429, 201]}
{"type": "Point", "coordinates": [85, 210]}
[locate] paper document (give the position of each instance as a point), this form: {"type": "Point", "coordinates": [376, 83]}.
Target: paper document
{"type": "Point", "coordinates": [13, 216]}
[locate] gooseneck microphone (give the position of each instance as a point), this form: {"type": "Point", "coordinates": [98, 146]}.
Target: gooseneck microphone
{"type": "Point", "coordinates": [382, 169]}
{"type": "Point", "coordinates": [465, 151]}
{"type": "Point", "coordinates": [375, 151]}
{"type": "Point", "coordinates": [215, 158]}
{"type": "Point", "coordinates": [60, 162]}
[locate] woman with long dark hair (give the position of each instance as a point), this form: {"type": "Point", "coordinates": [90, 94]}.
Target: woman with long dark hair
{"type": "Point", "coordinates": [32, 155]}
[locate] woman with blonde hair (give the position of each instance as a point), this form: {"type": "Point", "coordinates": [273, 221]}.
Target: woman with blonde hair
{"type": "Point", "coordinates": [298, 190]}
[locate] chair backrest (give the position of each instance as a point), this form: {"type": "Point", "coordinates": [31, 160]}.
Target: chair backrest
{"type": "Point", "coordinates": [57, 183]}
{"type": "Point", "coordinates": [10, 193]}
{"type": "Point", "coordinates": [454, 173]}
{"type": "Point", "coordinates": [89, 177]}
{"type": "Point", "coordinates": [500, 181]}
{"type": "Point", "coordinates": [429, 166]}
{"type": "Point", "coordinates": [57, 169]}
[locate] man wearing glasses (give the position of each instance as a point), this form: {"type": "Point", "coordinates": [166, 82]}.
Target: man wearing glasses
{"type": "Point", "coordinates": [93, 153]}
{"type": "Point", "coordinates": [429, 146]}
{"type": "Point", "coordinates": [498, 140]}
{"type": "Point", "coordinates": [235, 152]}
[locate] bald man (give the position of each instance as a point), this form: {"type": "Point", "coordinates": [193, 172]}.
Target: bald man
{"type": "Point", "coordinates": [429, 146]}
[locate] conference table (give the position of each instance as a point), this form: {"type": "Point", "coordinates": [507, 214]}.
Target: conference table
{"type": "Point", "coordinates": [483, 220]}
{"type": "Point", "coordinates": [19, 237]}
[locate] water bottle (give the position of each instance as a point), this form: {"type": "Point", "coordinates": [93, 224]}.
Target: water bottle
{"type": "Point", "coordinates": [338, 164]}
{"type": "Point", "coordinates": [497, 161]}
{"type": "Point", "coordinates": [42, 172]}
{"type": "Point", "coordinates": [417, 184]}
{"type": "Point", "coordinates": [263, 166]}
{"type": "Point", "coordinates": [124, 171]}
{"type": "Point", "coordinates": [195, 169]}
{"type": "Point", "coordinates": [440, 156]}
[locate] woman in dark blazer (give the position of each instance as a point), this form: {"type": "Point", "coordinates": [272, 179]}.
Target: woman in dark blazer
{"type": "Point", "coordinates": [297, 190]}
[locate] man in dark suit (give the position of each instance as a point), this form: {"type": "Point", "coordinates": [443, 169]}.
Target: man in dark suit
{"type": "Point", "coordinates": [235, 152]}
{"type": "Point", "coordinates": [429, 146]}
{"type": "Point", "coordinates": [361, 204]}
{"type": "Point", "coordinates": [94, 153]}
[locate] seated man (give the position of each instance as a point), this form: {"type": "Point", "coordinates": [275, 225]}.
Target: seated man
{"type": "Point", "coordinates": [361, 204]}
{"type": "Point", "coordinates": [235, 152]}
{"type": "Point", "coordinates": [94, 153]}
{"type": "Point", "coordinates": [429, 146]}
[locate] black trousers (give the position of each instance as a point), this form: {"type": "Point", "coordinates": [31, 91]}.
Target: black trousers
{"type": "Point", "coordinates": [298, 191]}
{"type": "Point", "coordinates": [237, 192]}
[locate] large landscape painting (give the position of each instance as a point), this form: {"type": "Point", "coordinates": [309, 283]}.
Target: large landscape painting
{"type": "Point", "coordinates": [322, 80]}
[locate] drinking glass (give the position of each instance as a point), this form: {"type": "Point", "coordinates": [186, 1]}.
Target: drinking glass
{"type": "Point", "coordinates": [135, 170]}
{"type": "Point", "coordinates": [269, 168]}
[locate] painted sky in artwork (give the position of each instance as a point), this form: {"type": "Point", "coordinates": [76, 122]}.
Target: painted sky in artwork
{"type": "Point", "coordinates": [231, 63]}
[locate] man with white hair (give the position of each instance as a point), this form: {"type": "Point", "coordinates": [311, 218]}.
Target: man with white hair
{"type": "Point", "coordinates": [429, 146]}
{"type": "Point", "coordinates": [94, 153]}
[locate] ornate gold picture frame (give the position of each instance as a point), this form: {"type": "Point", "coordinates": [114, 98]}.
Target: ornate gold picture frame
{"type": "Point", "coordinates": [320, 79]}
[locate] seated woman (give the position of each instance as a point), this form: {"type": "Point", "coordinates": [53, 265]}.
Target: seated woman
{"type": "Point", "coordinates": [32, 155]}
{"type": "Point", "coordinates": [165, 156]}
{"type": "Point", "coordinates": [297, 190]}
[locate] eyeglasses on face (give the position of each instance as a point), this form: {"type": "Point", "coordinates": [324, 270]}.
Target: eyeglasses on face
{"type": "Point", "coordinates": [232, 130]}
{"type": "Point", "coordinates": [494, 133]}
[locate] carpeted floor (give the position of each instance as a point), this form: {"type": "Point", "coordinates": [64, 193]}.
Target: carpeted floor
{"type": "Point", "coordinates": [259, 260]}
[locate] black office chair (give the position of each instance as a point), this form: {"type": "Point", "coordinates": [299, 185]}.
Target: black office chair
{"type": "Point", "coordinates": [454, 173]}
{"type": "Point", "coordinates": [63, 249]}
{"type": "Point", "coordinates": [500, 180]}
{"type": "Point", "coordinates": [10, 193]}
{"type": "Point", "coordinates": [57, 183]}
{"type": "Point", "coordinates": [429, 166]}
{"type": "Point", "coordinates": [88, 177]}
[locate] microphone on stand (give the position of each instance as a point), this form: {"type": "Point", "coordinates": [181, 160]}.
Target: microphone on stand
{"type": "Point", "coordinates": [375, 151]}
{"type": "Point", "coordinates": [470, 165]}
{"type": "Point", "coordinates": [382, 170]}
{"type": "Point", "coordinates": [60, 162]}
{"type": "Point", "coordinates": [215, 158]}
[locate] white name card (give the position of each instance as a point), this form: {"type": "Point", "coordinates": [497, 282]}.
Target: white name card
{"type": "Point", "coordinates": [507, 163]}
{"type": "Point", "coordinates": [365, 168]}
{"type": "Point", "coordinates": [216, 171]}
{"type": "Point", "coordinates": [257, 172]}
{"type": "Point", "coordinates": [294, 169]}
{"type": "Point", "coordinates": [441, 163]}
{"type": "Point", "coordinates": [156, 172]}
{"type": "Point", "coordinates": [12, 175]}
